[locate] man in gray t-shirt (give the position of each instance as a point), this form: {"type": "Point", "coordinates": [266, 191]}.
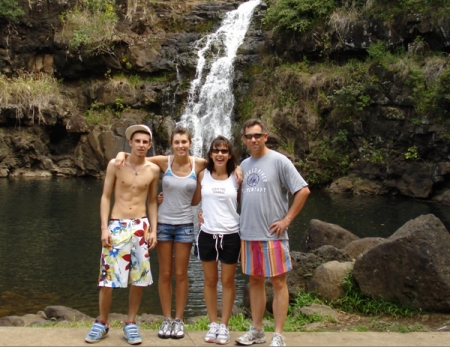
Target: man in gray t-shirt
{"type": "Point", "coordinates": [265, 216]}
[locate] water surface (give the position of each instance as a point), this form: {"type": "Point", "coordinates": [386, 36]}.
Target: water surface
{"type": "Point", "coordinates": [50, 242]}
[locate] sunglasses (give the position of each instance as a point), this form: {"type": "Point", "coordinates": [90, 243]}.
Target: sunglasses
{"type": "Point", "coordinates": [223, 151]}
{"type": "Point", "coordinates": [256, 136]}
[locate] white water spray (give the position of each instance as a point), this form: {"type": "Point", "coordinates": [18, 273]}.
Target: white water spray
{"type": "Point", "coordinates": [211, 101]}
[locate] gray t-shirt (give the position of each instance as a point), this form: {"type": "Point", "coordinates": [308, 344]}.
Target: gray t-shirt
{"type": "Point", "coordinates": [264, 194]}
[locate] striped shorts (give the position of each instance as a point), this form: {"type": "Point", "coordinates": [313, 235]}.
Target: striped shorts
{"type": "Point", "coordinates": [265, 258]}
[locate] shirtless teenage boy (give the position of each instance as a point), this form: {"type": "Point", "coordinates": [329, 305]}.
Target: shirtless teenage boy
{"type": "Point", "coordinates": [126, 233]}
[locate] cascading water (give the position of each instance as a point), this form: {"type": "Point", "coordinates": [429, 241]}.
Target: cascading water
{"type": "Point", "coordinates": [211, 101]}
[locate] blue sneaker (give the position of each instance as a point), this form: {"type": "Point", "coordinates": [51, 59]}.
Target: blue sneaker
{"type": "Point", "coordinates": [98, 331]}
{"type": "Point", "coordinates": [131, 333]}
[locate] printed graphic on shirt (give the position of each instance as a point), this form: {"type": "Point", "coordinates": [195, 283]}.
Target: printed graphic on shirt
{"type": "Point", "coordinates": [254, 180]}
{"type": "Point", "coordinates": [216, 190]}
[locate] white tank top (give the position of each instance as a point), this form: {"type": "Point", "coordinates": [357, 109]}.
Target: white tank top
{"type": "Point", "coordinates": [178, 193]}
{"type": "Point", "coordinates": [219, 204]}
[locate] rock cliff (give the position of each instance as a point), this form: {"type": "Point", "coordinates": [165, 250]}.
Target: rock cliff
{"type": "Point", "coordinates": [358, 101]}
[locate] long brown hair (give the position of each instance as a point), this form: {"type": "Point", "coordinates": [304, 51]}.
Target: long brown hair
{"type": "Point", "coordinates": [222, 141]}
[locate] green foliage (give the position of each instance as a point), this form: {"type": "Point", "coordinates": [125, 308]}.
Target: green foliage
{"type": "Point", "coordinates": [379, 54]}
{"type": "Point", "coordinates": [327, 159]}
{"type": "Point", "coordinates": [355, 301]}
{"type": "Point", "coordinates": [288, 145]}
{"type": "Point", "coordinates": [446, 137]}
{"type": "Point", "coordinates": [350, 100]}
{"type": "Point", "coordinates": [101, 114]}
{"type": "Point", "coordinates": [443, 85]}
{"type": "Point", "coordinates": [373, 154]}
{"type": "Point", "coordinates": [423, 95]}
{"type": "Point", "coordinates": [174, 25]}
{"type": "Point", "coordinates": [342, 137]}
{"type": "Point", "coordinates": [412, 153]}
{"type": "Point", "coordinates": [416, 121]}
{"type": "Point", "coordinates": [89, 25]}
{"type": "Point", "coordinates": [203, 27]}
{"type": "Point", "coordinates": [10, 10]}
{"type": "Point", "coordinates": [297, 15]}
{"type": "Point", "coordinates": [394, 113]}
{"type": "Point", "coordinates": [391, 8]}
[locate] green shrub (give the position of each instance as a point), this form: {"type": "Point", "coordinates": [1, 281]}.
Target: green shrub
{"type": "Point", "coordinates": [297, 15]}
{"type": "Point", "coordinates": [423, 95]}
{"type": "Point", "coordinates": [388, 10]}
{"type": "Point", "coordinates": [412, 153]}
{"type": "Point", "coordinates": [350, 100]}
{"type": "Point", "coordinates": [89, 25]}
{"type": "Point", "coordinates": [10, 10]}
{"type": "Point", "coordinates": [101, 114]}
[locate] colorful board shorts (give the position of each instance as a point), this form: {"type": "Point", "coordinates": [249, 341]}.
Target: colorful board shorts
{"type": "Point", "coordinates": [265, 258]}
{"type": "Point", "coordinates": [127, 261]}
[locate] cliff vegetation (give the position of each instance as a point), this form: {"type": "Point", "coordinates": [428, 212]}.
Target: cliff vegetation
{"type": "Point", "coordinates": [355, 92]}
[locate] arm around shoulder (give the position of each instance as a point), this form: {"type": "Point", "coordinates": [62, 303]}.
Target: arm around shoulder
{"type": "Point", "coordinates": [160, 160]}
{"type": "Point", "coordinates": [201, 163]}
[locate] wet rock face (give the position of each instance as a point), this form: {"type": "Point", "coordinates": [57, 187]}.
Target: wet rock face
{"type": "Point", "coordinates": [411, 266]}
{"type": "Point", "coordinates": [157, 40]}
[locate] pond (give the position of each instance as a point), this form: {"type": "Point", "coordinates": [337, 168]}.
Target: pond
{"type": "Point", "coordinates": [50, 242]}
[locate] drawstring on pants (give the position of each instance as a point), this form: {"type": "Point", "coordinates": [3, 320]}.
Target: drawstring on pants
{"type": "Point", "coordinates": [217, 237]}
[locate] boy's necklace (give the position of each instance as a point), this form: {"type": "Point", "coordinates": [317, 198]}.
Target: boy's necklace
{"type": "Point", "coordinates": [134, 168]}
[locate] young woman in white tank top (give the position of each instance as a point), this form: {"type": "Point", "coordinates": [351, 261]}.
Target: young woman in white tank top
{"type": "Point", "coordinates": [218, 239]}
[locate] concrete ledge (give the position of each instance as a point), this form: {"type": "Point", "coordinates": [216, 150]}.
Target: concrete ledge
{"type": "Point", "coordinates": [24, 336]}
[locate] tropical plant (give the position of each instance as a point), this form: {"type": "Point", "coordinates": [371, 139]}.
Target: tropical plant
{"type": "Point", "coordinates": [10, 10]}
{"type": "Point", "coordinates": [90, 25]}
{"type": "Point", "coordinates": [297, 15]}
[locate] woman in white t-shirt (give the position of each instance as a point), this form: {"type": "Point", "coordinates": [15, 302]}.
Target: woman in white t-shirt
{"type": "Point", "coordinates": [218, 238]}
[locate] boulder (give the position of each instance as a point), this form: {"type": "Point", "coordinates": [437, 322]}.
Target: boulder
{"type": "Point", "coordinates": [412, 266]}
{"type": "Point", "coordinates": [321, 233]}
{"type": "Point", "coordinates": [327, 279]}
{"type": "Point", "coordinates": [341, 185]}
{"type": "Point", "coordinates": [65, 313]}
{"type": "Point", "coordinates": [11, 321]}
{"type": "Point", "coordinates": [355, 248]}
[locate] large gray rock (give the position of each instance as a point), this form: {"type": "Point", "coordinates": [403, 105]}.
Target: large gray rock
{"type": "Point", "coordinates": [412, 266]}
{"type": "Point", "coordinates": [327, 279]}
{"type": "Point", "coordinates": [355, 248]}
{"type": "Point", "coordinates": [321, 233]}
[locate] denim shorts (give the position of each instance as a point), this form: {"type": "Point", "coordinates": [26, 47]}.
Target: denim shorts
{"type": "Point", "coordinates": [176, 233]}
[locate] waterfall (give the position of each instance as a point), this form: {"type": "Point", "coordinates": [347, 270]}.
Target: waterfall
{"type": "Point", "coordinates": [210, 100]}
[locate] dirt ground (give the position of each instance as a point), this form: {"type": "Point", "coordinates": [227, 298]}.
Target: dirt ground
{"type": "Point", "coordinates": [423, 322]}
